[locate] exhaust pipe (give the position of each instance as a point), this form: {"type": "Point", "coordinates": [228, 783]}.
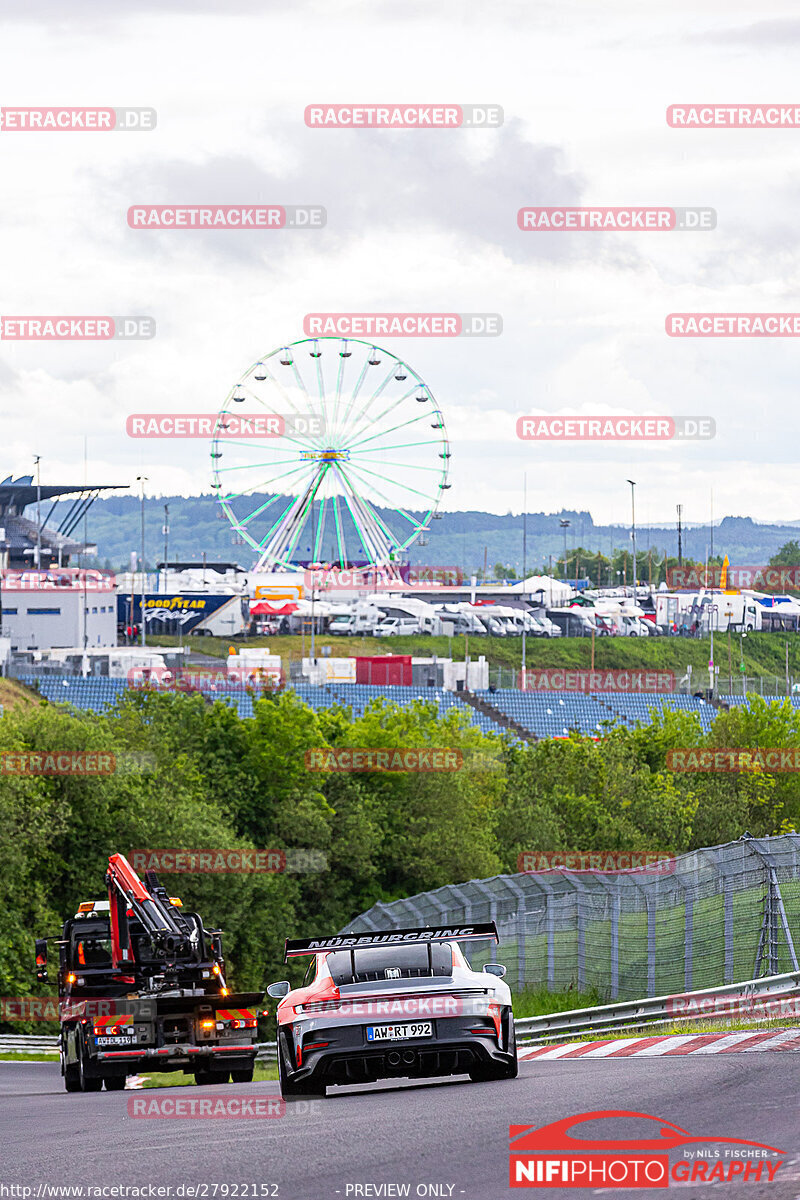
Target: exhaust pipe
{"type": "Point", "coordinates": [409, 1057]}
{"type": "Point", "coordinates": [393, 1058]}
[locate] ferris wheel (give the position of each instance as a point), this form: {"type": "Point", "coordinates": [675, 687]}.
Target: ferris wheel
{"type": "Point", "coordinates": [355, 466]}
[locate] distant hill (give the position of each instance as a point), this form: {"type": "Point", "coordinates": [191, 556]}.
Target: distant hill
{"type": "Point", "coordinates": [462, 539]}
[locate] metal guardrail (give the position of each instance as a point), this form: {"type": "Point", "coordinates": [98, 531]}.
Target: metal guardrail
{"type": "Point", "coordinates": [28, 1043]}
{"type": "Point", "coordinates": [742, 1000]}
{"type": "Point", "coordinates": [267, 1052]}
{"type": "Point", "coordinates": [659, 1010]}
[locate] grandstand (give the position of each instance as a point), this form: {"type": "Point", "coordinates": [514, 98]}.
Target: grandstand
{"type": "Point", "coordinates": [551, 715]}
{"type": "Point", "coordinates": [557, 714]}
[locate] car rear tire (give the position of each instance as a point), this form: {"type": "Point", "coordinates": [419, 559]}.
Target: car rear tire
{"type": "Point", "coordinates": [291, 1089]}
{"type": "Point", "coordinates": [496, 1071]}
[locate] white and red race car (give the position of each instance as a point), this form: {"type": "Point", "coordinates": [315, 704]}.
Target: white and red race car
{"type": "Point", "coordinates": [403, 1003]}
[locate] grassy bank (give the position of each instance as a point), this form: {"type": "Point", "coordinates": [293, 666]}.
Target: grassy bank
{"type": "Point", "coordinates": [762, 653]}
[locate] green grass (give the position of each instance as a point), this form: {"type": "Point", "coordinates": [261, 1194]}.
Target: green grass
{"type": "Point", "coordinates": [157, 1079]}
{"type": "Point", "coordinates": [764, 653]}
{"type": "Point", "coordinates": [538, 1002]}
{"type": "Point", "coordinates": [28, 1056]}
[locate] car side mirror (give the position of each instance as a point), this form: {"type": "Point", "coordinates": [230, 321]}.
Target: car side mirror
{"type": "Point", "coordinates": [279, 990]}
{"type": "Point", "coordinates": [41, 960]}
{"type": "Point", "coordinates": [494, 969]}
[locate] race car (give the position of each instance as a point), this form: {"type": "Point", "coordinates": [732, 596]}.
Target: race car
{"type": "Point", "coordinates": [402, 1003]}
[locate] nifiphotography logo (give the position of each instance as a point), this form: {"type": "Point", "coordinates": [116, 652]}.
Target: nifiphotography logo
{"type": "Point", "coordinates": [663, 1154]}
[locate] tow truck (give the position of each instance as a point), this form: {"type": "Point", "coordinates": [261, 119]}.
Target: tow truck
{"type": "Point", "coordinates": [141, 985]}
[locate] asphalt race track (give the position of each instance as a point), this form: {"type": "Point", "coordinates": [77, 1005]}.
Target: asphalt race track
{"type": "Point", "coordinates": [453, 1135]}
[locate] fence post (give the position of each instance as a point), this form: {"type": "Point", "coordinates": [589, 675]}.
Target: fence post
{"type": "Point", "coordinates": [727, 896]}
{"type": "Point", "coordinates": [491, 901]}
{"type": "Point", "coordinates": [522, 926]}
{"type": "Point", "coordinates": [580, 921]}
{"type": "Point", "coordinates": [550, 930]}
{"type": "Point", "coordinates": [688, 942]}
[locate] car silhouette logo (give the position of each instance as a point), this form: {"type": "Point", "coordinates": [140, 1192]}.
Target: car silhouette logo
{"type": "Point", "coordinates": [557, 1136]}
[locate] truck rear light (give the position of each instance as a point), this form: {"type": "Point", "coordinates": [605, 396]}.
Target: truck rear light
{"type": "Point", "coordinates": [208, 1024]}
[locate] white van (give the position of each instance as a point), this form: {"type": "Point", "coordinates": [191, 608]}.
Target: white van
{"type": "Point", "coordinates": [397, 627]}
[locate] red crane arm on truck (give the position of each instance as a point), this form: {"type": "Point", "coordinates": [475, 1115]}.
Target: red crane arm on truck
{"type": "Point", "coordinates": [128, 895]}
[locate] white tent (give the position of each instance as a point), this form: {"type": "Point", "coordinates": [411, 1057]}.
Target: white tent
{"type": "Point", "coordinates": [543, 589]}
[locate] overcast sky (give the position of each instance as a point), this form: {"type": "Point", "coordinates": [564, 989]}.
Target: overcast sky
{"type": "Point", "coordinates": [417, 221]}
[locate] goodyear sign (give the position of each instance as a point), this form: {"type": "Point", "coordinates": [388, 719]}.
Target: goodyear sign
{"type": "Point", "coordinates": [168, 611]}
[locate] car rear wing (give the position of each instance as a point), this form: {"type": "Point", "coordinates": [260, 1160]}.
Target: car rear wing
{"type": "Point", "coordinates": [391, 937]}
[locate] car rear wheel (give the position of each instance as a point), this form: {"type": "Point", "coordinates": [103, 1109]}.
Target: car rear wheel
{"type": "Point", "coordinates": [292, 1088]}
{"type": "Point", "coordinates": [495, 1071]}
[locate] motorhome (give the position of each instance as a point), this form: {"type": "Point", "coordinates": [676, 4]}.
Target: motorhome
{"type": "Point", "coordinates": [573, 622]}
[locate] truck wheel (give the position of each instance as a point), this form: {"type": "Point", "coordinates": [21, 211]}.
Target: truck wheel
{"type": "Point", "coordinates": [245, 1076]}
{"type": "Point", "coordinates": [72, 1080]}
{"type": "Point", "coordinates": [87, 1082]}
{"type": "Point", "coordinates": [204, 1078]}
{"type": "Point", "coordinates": [114, 1083]}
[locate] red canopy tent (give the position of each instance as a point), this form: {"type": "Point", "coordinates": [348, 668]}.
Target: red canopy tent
{"type": "Point", "coordinates": [263, 609]}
